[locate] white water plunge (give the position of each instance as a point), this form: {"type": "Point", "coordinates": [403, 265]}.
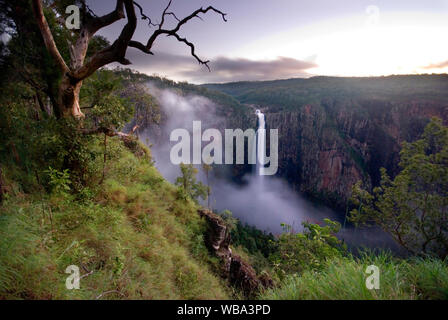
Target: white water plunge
{"type": "Point", "coordinates": [261, 145]}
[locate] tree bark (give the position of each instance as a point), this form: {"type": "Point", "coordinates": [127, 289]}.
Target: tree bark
{"type": "Point", "coordinates": [2, 191]}
{"type": "Point", "coordinates": [68, 98]}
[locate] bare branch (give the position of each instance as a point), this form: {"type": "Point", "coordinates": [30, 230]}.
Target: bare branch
{"type": "Point", "coordinates": [100, 22]}
{"type": "Point", "coordinates": [115, 52]}
{"type": "Point", "coordinates": [86, 274]}
{"type": "Point", "coordinates": [140, 46]}
{"type": "Point", "coordinates": [173, 32]}
{"type": "Point", "coordinates": [164, 14]}
{"type": "Point", "coordinates": [89, 10]}
{"type": "Point", "coordinates": [144, 16]}
{"type": "Point", "coordinates": [196, 13]}
{"type": "Point", "coordinates": [107, 292]}
{"type": "Point", "coordinates": [68, 92]}
{"type": "Point", "coordinates": [191, 45]}
{"type": "Point", "coordinates": [175, 17]}
{"type": "Point", "coordinates": [48, 36]}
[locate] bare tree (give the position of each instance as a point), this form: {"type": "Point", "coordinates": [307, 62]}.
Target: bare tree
{"type": "Point", "coordinates": [78, 69]}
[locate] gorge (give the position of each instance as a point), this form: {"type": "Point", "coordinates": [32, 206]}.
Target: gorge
{"type": "Point", "coordinates": [332, 133]}
{"type": "Point", "coordinates": [336, 131]}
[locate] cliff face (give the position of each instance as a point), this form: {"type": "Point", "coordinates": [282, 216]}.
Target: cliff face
{"type": "Point", "coordinates": [238, 272]}
{"type": "Point", "coordinates": [312, 155]}
{"type": "Point", "coordinates": [324, 149]}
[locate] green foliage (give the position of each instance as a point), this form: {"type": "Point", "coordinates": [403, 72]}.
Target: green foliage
{"type": "Point", "coordinates": [147, 109]}
{"type": "Point", "coordinates": [101, 94]}
{"type": "Point", "coordinates": [293, 94]}
{"type": "Point", "coordinates": [25, 57]}
{"type": "Point", "coordinates": [59, 180]}
{"type": "Point", "coordinates": [428, 278]}
{"type": "Point", "coordinates": [61, 144]}
{"type": "Point", "coordinates": [230, 221]}
{"type": "Point", "coordinates": [34, 143]}
{"type": "Point", "coordinates": [253, 245]}
{"type": "Point", "coordinates": [253, 240]}
{"type": "Point", "coordinates": [298, 252]}
{"type": "Point", "coordinates": [225, 104]}
{"type": "Point", "coordinates": [130, 236]}
{"type": "Point", "coordinates": [413, 206]}
{"type": "Point", "coordinates": [343, 278]}
{"type": "Point", "coordinates": [188, 185]}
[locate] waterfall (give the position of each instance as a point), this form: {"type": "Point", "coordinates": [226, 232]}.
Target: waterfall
{"type": "Point", "coordinates": [253, 155]}
{"type": "Point", "coordinates": [261, 143]}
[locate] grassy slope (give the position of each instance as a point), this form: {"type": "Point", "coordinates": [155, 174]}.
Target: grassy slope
{"type": "Point", "coordinates": [132, 232]}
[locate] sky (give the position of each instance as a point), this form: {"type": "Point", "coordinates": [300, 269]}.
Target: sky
{"type": "Point", "coordinates": [279, 39]}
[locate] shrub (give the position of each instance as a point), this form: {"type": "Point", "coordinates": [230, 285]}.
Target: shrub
{"type": "Point", "coordinates": [298, 252]}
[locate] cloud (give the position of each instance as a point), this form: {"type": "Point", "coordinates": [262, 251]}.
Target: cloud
{"type": "Point", "coordinates": [439, 65]}
{"type": "Point", "coordinates": [223, 69]}
{"type": "Point", "coordinates": [159, 61]}
{"type": "Point", "coordinates": [230, 69]}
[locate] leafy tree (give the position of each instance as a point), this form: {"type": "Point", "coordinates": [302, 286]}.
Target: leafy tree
{"type": "Point", "coordinates": [228, 218]}
{"type": "Point", "coordinates": [297, 252]}
{"type": "Point", "coordinates": [108, 109]}
{"type": "Point", "coordinates": [207, 168]}
{"type": "Point", "coordinates": [188, 185]}
{"type": "Point", "coordinates": [147, 110]}
{"type": "Point", "coordinates": [251, 238]}
{"type": "Point", "coordinates": [412, 207]}
{"type": "Point", "coordinates": [59, 180]}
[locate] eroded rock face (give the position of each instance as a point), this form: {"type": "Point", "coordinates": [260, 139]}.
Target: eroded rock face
{"type": "Point", "coordinates": [218, 238]}
{"type": "Point", "coordinates": [234, 268]}
{"type": "Point", "coordinates": [325, 149]}
{"type": "Point", "coordinates": [314, 157]}
{"type": "Point", "coordinates": [243, 276]}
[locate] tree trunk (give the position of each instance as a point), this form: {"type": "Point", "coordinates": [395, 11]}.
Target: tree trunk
{"type": "Point", "coordinates": [2, 191]}
{"type": "Point", "coordinates": [68, 98]}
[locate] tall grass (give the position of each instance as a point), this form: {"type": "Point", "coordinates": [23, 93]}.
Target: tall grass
{"type": "Point", "coordinates": [344, 278]}
{"type": "Point", "coordinates": [131, 238]}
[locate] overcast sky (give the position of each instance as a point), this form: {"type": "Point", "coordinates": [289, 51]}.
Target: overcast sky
{"type": "Point", "coordinates": [275, 39]}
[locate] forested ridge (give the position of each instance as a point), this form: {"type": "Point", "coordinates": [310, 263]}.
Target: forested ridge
{"type": "Point", "coordinates": [292, 94]}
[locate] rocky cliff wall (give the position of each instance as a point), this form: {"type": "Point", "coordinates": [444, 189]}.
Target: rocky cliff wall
{"type": "Point", "coordinates": [324, 149]}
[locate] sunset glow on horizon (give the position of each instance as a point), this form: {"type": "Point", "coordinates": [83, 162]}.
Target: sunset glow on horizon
{"type": "Point", "coordinates": [268, 40]}
{"type": "Point", "coordinates": [398, 43]}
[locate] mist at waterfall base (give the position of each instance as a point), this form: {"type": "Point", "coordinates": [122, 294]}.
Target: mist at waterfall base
{"type": "Point", "coordinates": [265, 202]}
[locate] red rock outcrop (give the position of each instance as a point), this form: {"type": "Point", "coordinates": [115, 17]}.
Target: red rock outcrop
{"type": "Point", "coordinates": [239, 273]}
